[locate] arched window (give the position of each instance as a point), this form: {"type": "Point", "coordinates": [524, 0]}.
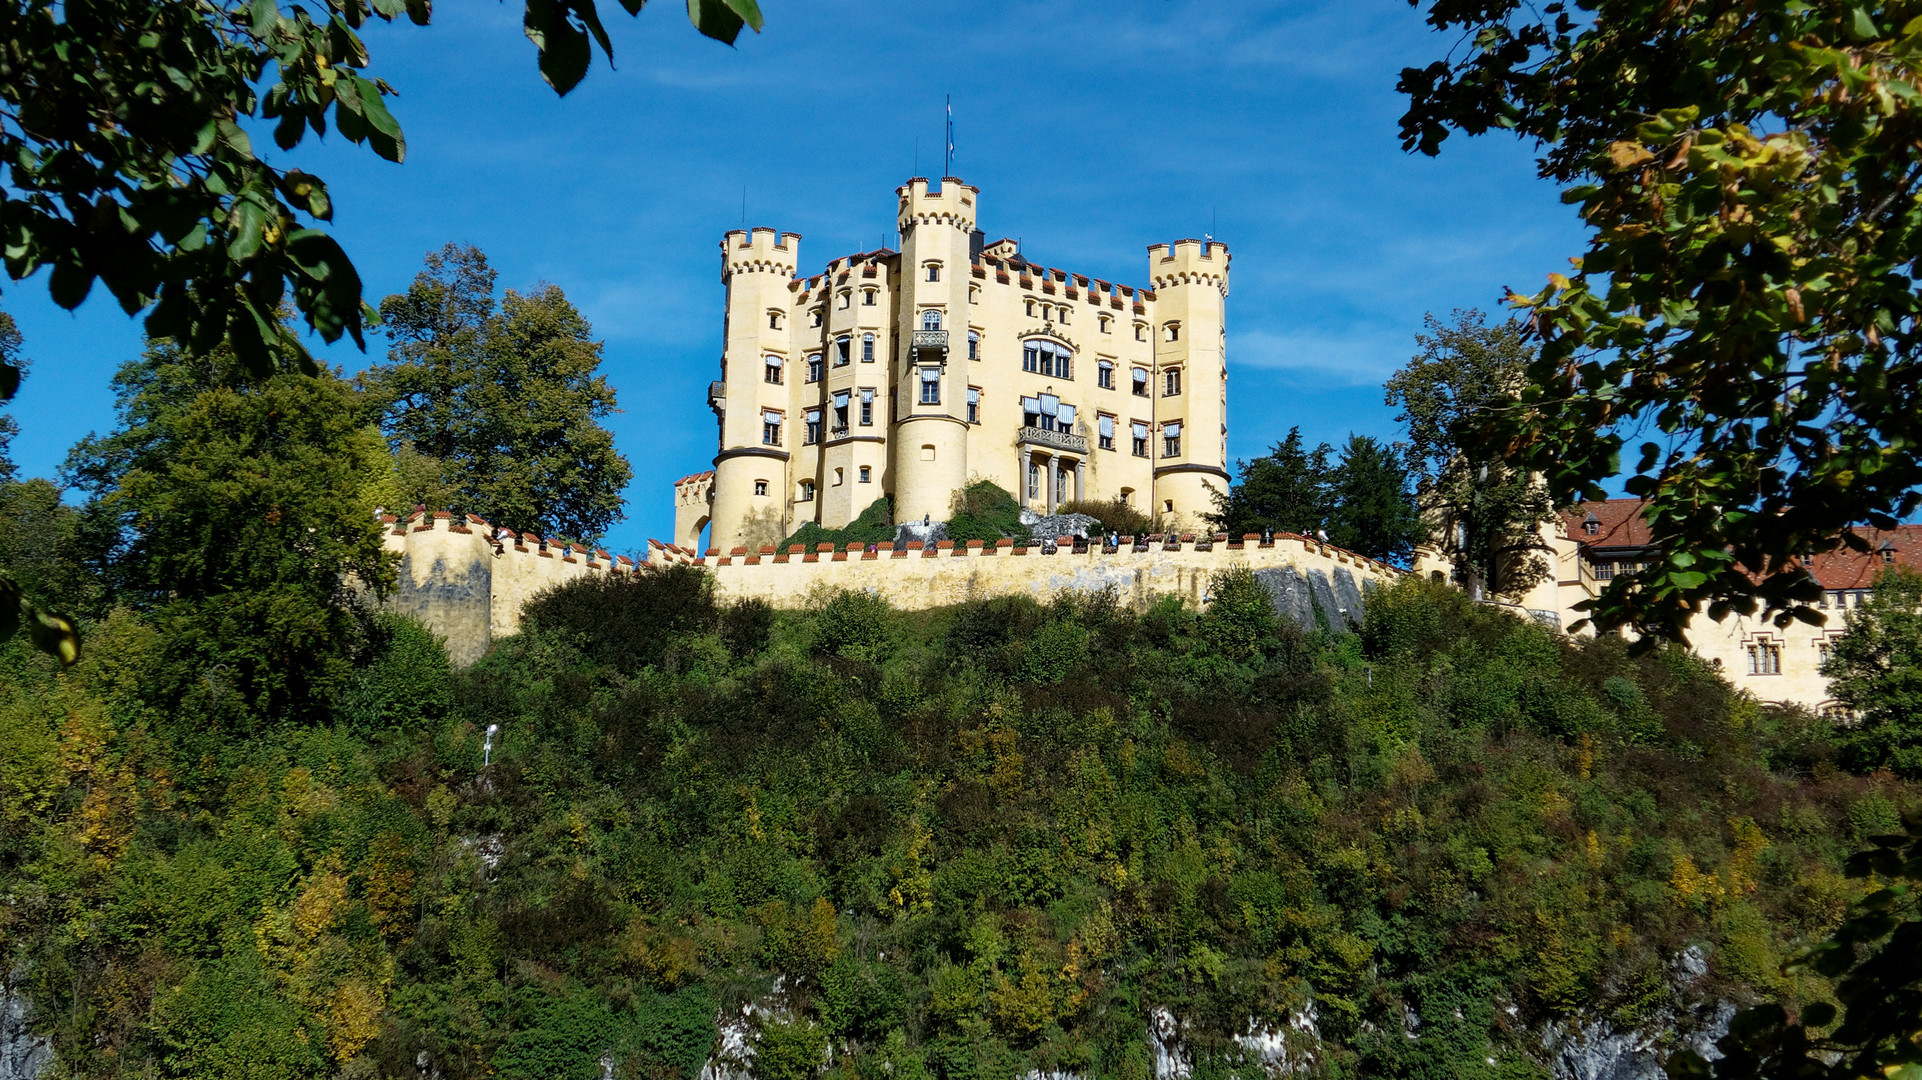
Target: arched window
{"type": "Point", "coordinates": [1046, 358]}
{"type": "Point", "coordinates": [867, 348]}
{"type": "Point", "coordinates": [931, 319]}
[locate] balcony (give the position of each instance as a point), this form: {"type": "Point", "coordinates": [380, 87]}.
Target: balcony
{"type": "Point", "coordinates": [1053, 440]}
{"type": "Point", "coordinates": [931, 339]}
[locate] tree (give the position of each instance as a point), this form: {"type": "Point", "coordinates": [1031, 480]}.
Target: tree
{"type": "Point", "coordinates": [244, 525]}
{"type": "Point", "coordinates": [1285, 491]}
{"type": "Point", "coordinates": [11, 342]}
{"type": "Point", "coordinates": [504, 399]}
{"type": "Point", "coordinates": [21, 581]}
{"type": "Point", "coordinates": [1748, 172]}
{"type": "Point", "coordinates": [129, 163]}
{"type": "Point", "coordinates": [1371, 511]}
{"type": "Point", "coordinates": [1875, 668]}
{"type": "Point", "coordinates": [1486, 513]}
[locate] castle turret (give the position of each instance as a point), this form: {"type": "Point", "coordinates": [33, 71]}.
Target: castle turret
{"type": "Point", "coordinates": [1190, 448]}
{"type": "Point", "coordinates": [752, 485]}
{"type": "Point", "coordinates": [930, 436]}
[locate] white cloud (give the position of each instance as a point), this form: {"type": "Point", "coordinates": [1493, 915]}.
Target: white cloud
{"type": "Point", "coordinates": [1362, 357]}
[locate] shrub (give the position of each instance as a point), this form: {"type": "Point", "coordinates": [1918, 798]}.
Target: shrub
{"type": "Point", "coordinates": [1114, 515]}
{"type": "Point", "coordinates": [626, 621]}
{"type": "Point", "coordinates": [984, 511]}
{"type": "Point", "coordinates": [408, 679]}
{"type": "Point", "coordinates": [874, 526]}
{"type": "Point", "coordinates": [852, 625]}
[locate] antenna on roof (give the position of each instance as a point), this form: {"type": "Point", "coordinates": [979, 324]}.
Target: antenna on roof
{"type": "Point", "coordinates": [947, 161]}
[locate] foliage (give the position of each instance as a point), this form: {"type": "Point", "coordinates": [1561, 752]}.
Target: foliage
{"type": "Point", "coordinates": [1115, 515]}
{"type": "Point", "coordinates": [1746, 298]}
{"type": "Point", "coordinates": [1875, 669]}
{"type": "Point", "coordinates": [242, 523]}
{"type": "Point", "coordinates": [1487, 511]}
{"type": "Point", "coordinates": [129, 161]}
{"type": "Point", "coordinates": [22, 591]}
{"type": "Point", "coordinates": [979, 841]}
{"type": "Point", "coordinates": [1284, 491]}
{"type": "Point", "coordinates": [1874, 1025]}
{"type": "Point", "coordinates": [500, 404]}
{"type": "Point", "coordinates": [874, 526]}
{"type": "Point", "coordinates": [984, 511]}
{"type": "Point", "coordinates": [1361, 500]}
{"type": "Point", "coordinates": [15, 367]}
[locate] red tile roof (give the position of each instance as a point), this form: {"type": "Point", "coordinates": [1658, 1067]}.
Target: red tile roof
{"type": "Point", "coordinates": [1619, 524]}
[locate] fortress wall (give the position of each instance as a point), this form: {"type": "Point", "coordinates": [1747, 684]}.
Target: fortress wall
{"type": "Point", "coordinates": [1300, 574]}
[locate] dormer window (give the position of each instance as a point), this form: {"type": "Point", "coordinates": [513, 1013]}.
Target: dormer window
{"type": "Point", "coordinates": [1888, 552]}
{"type": "Point", "coordinates": [1592, 525]}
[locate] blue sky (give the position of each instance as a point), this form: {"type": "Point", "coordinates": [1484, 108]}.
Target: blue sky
{"type": "Point", "coordinates": [1092, 130]}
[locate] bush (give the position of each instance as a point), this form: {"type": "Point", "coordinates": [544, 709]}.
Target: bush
{"type": "Point", "coordinates": [874, 526]}
{"type": "Point", "coordinates": [1114, 515]}
{"type": "Point", "coordinates": [984, 511]}
{"type": "Point", "coordinates": [626, 621]}
{"type": "Point", "coordinates": [408, 680]}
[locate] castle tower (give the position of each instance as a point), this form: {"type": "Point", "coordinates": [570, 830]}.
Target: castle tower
{"type": "Point", "coordinates": [1190, 379]}
{"type": "Point", "coordinates": [752, 485]}
{"type": "Point", "coordinates": [930, 434]}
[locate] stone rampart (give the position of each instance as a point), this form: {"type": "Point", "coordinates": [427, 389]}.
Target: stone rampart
{"type": "Point", "coordinates": [468, 581]}
{"type": "Point", "coordinates": [1301, 574]}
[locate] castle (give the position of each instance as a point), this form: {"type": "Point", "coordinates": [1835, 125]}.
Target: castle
{"type": "Point", "coordinates": [913, 373]}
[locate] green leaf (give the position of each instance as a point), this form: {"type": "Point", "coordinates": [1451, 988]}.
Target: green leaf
{"type": "Point", "coordinates": [9, 380]}
{"type": "Point", "coordinates": [249, 221]}
{"type": "Point", "coordinates": [262, 17]}
{"type": "Point", "coordinates": [390, 8]}
{"type": "Point", "coordinates": [715, 19]}
{"type": "Point", "coordinates": [564, 49]}
{"type": "Point", "coordinates": [421, 11]}
{"type": "Point", "coordinates": [1862, 25]}
{"type": "Point", "coordinates": [1689, 579]}
{"type": "Point", "coordinates": [383, 130]}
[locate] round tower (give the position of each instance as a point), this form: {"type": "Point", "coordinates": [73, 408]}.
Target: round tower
{"type": "Point", "coordinates": [1190, 440]}
{"type": "Point", "coordinates": [753, 485]}
{"type": "Point", "coordinates": [929, 442]}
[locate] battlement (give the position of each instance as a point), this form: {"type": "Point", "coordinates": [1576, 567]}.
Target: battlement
{"type": "Point", "coordinates": [1142, 570]}
{"type": "Point", "coordinates": [760, 250]}
{"type": "Point", "coordinates": [1189, 262]}
{"type": "Point", "coordinates": [954, 204]}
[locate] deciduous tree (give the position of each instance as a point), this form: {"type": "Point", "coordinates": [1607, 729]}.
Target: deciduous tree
{"type": "Point", "coordinates": [1875, 668]}
{"type": "Point", "coordinates": [1747, 303]}
{"type": "Point", "coordinates": [504, 398]}
{"type": "Point", "coordinates": [1486, 512]}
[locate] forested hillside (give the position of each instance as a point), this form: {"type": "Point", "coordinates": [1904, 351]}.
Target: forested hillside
{"type": "Point", "coordinates": [966, 843]}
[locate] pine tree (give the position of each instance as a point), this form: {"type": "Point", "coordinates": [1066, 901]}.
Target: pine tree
{"type": "Point", "coordinates": [1371, 510]}
{"type": "Point", "coordinates": [1285, 491]}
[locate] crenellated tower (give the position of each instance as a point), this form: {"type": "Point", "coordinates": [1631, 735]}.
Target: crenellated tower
{"type": "Point", "coordinates": [1190, 282]}
{"type": "Point", "coordinates": [751, 485]}
{"type": "Point", "coordinates": [930, 436]}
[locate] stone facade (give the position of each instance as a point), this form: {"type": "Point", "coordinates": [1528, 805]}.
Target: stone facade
{"type": "Point", "coordinates": [915, 372]}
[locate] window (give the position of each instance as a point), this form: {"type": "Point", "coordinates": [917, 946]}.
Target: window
{"type": "Point", "coordinates": [1823, 649]}
{"type": "Point", "coordinates": [1104, 426]}
{"type": "Point", "coordinates": [1046, 358]}
{"type": "Point", "coordinates": [930, 386]}
{"type": "Point", "coordinates": [867, 297]}
{"type": "Point", "coordinates": [807, 491]}
{"type": "Point", "coordinates": [814, 317]}
{"type": "Point", "coordinates": [974, 404]}
{"type": "Point", "coordinates": [1034, 479]}
{"type": "Point", "coordinates": [931, 319]}
{"type": "Point", "coordinates": [770, 428]}
{"type": "Point", "coordinates": [1888, 553]}
{"type": "Point", "coordinates": [813, 434]}
{"type": "Point", "coordinates": [846, 295]}
{"type": "Point", "coordinates": [934, 271]}
{"type": "Point", "coordinates": [1060, 484]}
{"type": "Point", "coordinates": [974, 345]}
{"type": "Point", "coordinates": [1127, 496]}
{"type": "Point", "coordinates": [840, 476]}
{"type": "Point", "coordinates": [1140, 432]}
{"type": "Point", "coordinates": [773, 370]}
{"type": "Point", "coordinates": [1171, 382]}
{"type": "Point", "coordinates": [867, 348]}
{"type": "Point", "coordinates": [867, 407]}
{"type": "Point", "coordinates": [1171, 439]}
{"type": "Point", "coordinates": [1141, 331]}
{"type": "Point", "coordinates": [1764, 658]}
{"type": "Point", "coordinates": [1141, 382]}
{"type": "Point", "coordinates": [841, 347]}
{"type": "Point", "coordinates": [841, 411]}
{"type": "Point", "coordinates": [1061, 314]}
{"type": "Point", "coordinates": [1104, 375]}
{"type": "Point", "coordinates": [1167, 506]}
{"type": "Point", "coordinates": [1030, 308]}
{"type": "Point", "coordinates": [1604, 571]}
{"type": "Point", "coordinates": [867, 474]}
{"type": "Point", "coordinates": [773, 320]}
{"type": "Point", "coordinates": [760, 487]}
{"type": "Point", "coordinates": [974, 295]}
{"type": "Point", "coordinates": [814, 368]}
{"type": "Point", "coordinates": [1173, 330]}
{"type": "Point", "coordinates": [1591, 525]}
{"type": "Point", "coordinates": [1045, 411]}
